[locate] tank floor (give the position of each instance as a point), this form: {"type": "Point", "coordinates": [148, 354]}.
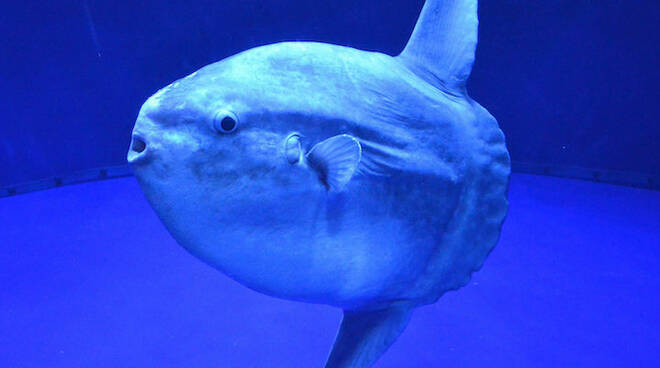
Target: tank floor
{"type": "Point", "coordinates": [90, 278]}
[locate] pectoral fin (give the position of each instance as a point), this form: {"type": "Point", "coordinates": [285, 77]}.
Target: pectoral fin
{"type": "Point", "coordinates": [335, 160]}
{"type": "Point", "coordinates": [365, 335]}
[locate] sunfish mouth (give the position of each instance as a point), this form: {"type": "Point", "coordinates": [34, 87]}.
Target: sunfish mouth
{"type": "Point", "coordinates": [138, 151]}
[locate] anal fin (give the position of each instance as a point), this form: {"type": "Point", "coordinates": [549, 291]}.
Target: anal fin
{"type": "Point", "coordinates": [365, 335]}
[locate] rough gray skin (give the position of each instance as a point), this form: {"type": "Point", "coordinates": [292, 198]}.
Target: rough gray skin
{"type": "Point", "coordinates": [421, 214]}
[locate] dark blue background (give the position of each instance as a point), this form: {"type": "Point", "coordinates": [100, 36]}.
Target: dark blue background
{"type": "Point", "coordinates": [572, 82]}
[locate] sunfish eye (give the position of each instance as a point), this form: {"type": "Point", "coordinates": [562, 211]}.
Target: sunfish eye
{"type": "Point", "coordinates": [225, 122]}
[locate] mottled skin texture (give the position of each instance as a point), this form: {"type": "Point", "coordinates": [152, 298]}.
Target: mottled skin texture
{"type": "Point", "coordinates": [402, 196]}
{"type": "Point", "coordinates": [421, 214]}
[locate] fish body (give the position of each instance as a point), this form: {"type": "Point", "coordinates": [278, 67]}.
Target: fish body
{"type": "Point", "coordinates": [326, 174]}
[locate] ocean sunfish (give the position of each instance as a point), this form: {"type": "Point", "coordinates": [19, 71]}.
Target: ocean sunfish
{"type": "Point", "coordinates": [325, 174]}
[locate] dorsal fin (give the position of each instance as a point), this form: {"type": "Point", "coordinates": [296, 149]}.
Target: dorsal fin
{"type": "Point", "coordinates": [442, 46]}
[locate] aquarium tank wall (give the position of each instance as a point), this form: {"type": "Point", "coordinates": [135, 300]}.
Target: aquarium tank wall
{"type": "Point", "coordinates": [573, 84]}
{"type": "Point", "coordinates": [89, 276]}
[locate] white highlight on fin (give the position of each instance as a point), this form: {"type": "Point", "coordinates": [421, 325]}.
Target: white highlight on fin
{"type": "Point", "coordinates": [336, 160]}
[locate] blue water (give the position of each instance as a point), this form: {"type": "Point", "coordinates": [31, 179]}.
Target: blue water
{"type": "Point", "coordinates": [90, 278]}
{"type": "Point", "coordinates": [572, 82]}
